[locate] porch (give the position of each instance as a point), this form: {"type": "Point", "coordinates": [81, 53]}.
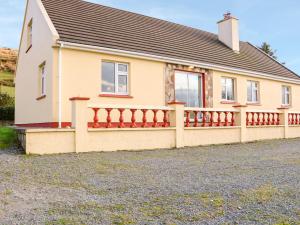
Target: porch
{"type": "Point", "coordinates": [97, 127]}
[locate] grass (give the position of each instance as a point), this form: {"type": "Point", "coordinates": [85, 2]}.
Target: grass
{"type": "Point", "coordinates": [7, 137]}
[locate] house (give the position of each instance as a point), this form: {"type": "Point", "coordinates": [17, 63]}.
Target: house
{"type": "Point", "coordinates": [97, 78]}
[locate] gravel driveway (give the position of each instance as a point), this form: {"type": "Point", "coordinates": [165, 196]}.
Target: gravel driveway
{"type": "Point", "coordinates": [256, 183]}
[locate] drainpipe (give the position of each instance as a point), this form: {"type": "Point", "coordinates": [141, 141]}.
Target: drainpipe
{"type": "Point", "coordinates": [60, 85]}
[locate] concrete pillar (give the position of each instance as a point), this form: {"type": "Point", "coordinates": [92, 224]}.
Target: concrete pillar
{"type": "Point", "coordinates": [80, 122]}
{"type": "Point", "coordinates": [241, 121]}
{"type": "Point", "coordinates": [284, 120]}
{"type": "Point", "coordinates": [177, 120]}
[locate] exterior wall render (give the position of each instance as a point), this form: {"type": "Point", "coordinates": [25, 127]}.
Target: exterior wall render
{"type": "Point", "coordinates": [30, 108]}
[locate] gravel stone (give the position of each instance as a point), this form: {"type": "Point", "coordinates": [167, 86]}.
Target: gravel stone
{"type": "Point", "coordinates": [253, 183]}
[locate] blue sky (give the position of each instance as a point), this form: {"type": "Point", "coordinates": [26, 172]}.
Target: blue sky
{"type": "Point", "coordinates": [274, 21]}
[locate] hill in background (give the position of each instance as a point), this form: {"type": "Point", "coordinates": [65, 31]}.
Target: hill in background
{"type": "Point", "coordinates": [8, 61]}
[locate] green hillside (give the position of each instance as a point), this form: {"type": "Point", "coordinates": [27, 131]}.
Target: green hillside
{"type": "Point", "coordinates": [6, 89]}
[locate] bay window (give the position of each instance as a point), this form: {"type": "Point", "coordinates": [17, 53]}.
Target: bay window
{"type": "Point", "coordinates": [114, 78]}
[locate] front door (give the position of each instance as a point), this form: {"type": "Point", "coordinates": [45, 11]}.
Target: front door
{"type": "Point", "coordinates": [189, 88]}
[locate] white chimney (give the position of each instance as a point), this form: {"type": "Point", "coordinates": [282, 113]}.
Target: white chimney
{"type": "Point", "coordinates": [229, 32]}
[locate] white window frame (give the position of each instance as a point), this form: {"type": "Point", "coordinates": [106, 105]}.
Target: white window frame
{"type": "Point", "coordinates": [286, 91]}
{"type": "Point", "coordinates": [226, 89]}
{"type": "Point", "coordinates": [43, 79]}
{"type": "Point", "coordinates": [254, 90]}
{"type": "Point", "coordinates": [117, 74]}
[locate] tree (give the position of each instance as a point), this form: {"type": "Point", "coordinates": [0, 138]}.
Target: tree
{"type": "Point", "coordinates": [267, 49]}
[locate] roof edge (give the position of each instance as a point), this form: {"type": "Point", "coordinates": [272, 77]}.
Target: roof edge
{"type": "Point", "coordinates": [91, 48]}
{"type": "Point", "coordinates": [273, 59]}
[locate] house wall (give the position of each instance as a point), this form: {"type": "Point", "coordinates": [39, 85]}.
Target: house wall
{"type": "Point", "coordinates": [81, 76]}
{"type": "Point", "coordinates": [28, 108]}
{"type": "Point", "coordinates": [270, 92]}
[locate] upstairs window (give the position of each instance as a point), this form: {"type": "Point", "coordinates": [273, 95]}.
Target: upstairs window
{"type": "Point", "coordinates": [115, 78]}
{"type": "Point", "coordinates": [286, 95]}
{"type": "Point", "coordinates": [252, 92]}
{"type": "Point", "coordinates": [228, 87]}
{"type": "Point", "coordinates": [29, 35]}
{"type": "Point", "coordinates": [42, 79]}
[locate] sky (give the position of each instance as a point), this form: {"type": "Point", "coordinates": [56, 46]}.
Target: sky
{"type": "Point", "coordinates": [272, 21]}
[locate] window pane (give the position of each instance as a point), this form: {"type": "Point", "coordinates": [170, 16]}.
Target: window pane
{"type": "Point", "coordinates": [249, 91]}
{"type": "Point", "coordinates": [122, 84]}
{"type": "Point", "coordinates": [230, 89]}
{"type": "Point", "coordinates": [194, 91]}
{"type": "Point", "coordinates": [122, 68]}
{"type": "Point", "coordinates": [181, 87]}
{"type": "Point", "coordinates": [223, 83]}
{"type": "Point", "coordinates": [108, 77]}
{"type": "Point", "coordinates": [283, 96]}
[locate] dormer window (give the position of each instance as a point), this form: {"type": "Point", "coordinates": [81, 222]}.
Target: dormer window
{"type": "Point", "coordinates": [29, 36]}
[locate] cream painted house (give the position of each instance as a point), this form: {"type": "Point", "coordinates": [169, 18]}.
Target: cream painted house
{"type": "Point", "coordinates": [98, 79]}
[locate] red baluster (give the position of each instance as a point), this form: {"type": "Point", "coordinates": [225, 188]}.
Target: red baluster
{"type": "Point", "coordinates": [133, 120]}
{"type": "Point", "coordinates": [258, 119]}
{"type": "Point", "coordinates": [196, 119]}
{"type": "Point", "coordinates": [293, 118]}
{"type": "Point", "coordinates": [144, 124]}
{"type": "Point", "coordinates": [187, 122]}
{"type": "Point", "coordinates": [278, 119]}
{"type": "Point", "coordinates": [96, 119]}
{"type": "Point", "coordinates": [253, 118]}
{"type": "Point", "coordinates": [273, 120]}
{"type": "Point", "coordinates": [247, 119]}
{"type": "Point", "coordinates": [211, 119]}
{"type": "Point", "coordinates": [290, 120]}
{"type": "Point", "coordinates": [155, 118]}
{"type": "Point", "coordinates": [108, 119]}
{"type": "Point", "coordinates": [204, 119]}
{"type": "Point", "coordinates": [121, 124]}
{"type": "Point", "coordinates": [226, 119]}
{"type": "Point", "coordinates": [264, 119]}
{"type": "Point", "coordinates": [219, 119]}
{"type": "Point", "coordinates": [165, 124]}
{"type": "Point", "coordinates": [269, 118]}
{"type": "Point", "coordinates": [298, 119]}
{"type": "Point", "coordinates": [232, 119]}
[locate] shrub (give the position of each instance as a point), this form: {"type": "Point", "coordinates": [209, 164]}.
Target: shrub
{"type": "Point", "coordinates": [7, 113]}
{"type": "Point", "coordinates": [8, 137]}
{"type": "Point", "coordinates": [6, 100]}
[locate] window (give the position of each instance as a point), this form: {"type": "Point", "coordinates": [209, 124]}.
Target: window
{"type": "Point", "coordinates": [228, 89]}
{"type": "Point", "coordinates": [29, 35]}
{"type": "Point", "coordinates": [252, 92]}
{"type": "Point", "coordinates": [286, 95]}
{"type": "Point", "coordinates": [188, 88]}
{"type": "Point", "coordinates": [42, 79]}
{"type": "Point", "coordinates": [115, 78]}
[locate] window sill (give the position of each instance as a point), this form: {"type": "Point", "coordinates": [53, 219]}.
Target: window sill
{"type": "Point", "coordinates": [28, 49]}
{"type": "Point", "coordinates": [41, 97]}
{"type": "Point", "coordinates": [253, 103]}
{"type": "Point", "coordinates": [285, 106]}
{"type": "Point", "coordinates": [114, 96]}
{"type": "Point", "coordinates": [229, 102]}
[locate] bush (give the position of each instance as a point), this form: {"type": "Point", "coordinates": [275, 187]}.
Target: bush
{"type": "Point", "coordinates": [7, 113]}
{"type": "Point", "coordinates": [6, 100]}
{"type": "Point", "coordinates": [8, 137]}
